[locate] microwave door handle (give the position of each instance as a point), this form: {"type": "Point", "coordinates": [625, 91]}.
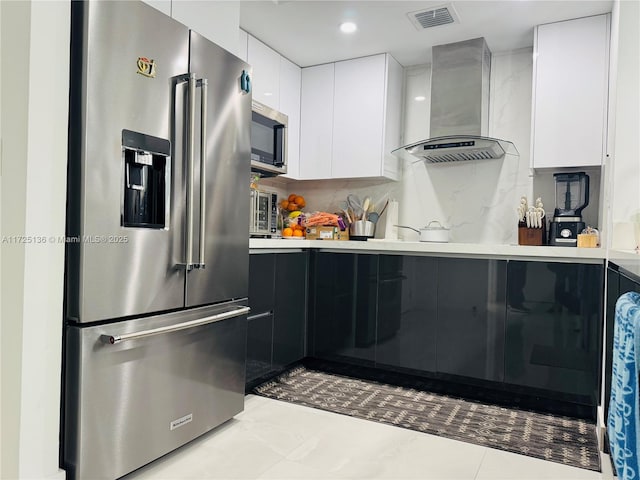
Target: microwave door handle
{"type": "Point", "coordinates": [203, 177]}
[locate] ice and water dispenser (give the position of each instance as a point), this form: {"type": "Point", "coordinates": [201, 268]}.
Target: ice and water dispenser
{"type": "Point", "coordinates": [146, 180]}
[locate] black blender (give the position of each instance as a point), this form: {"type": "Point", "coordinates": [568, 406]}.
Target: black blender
{"type": "Point", "coordinates": [572, 195]}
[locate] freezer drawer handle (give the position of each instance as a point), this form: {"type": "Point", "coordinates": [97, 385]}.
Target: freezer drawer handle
{"type": "Point", "coordinates": [113, 339]}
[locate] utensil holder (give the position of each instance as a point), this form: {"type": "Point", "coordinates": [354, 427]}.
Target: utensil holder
{"type": "Point", "coordinates": [531, 236]}
{"type": "Point", "coordinates": [361, 230]}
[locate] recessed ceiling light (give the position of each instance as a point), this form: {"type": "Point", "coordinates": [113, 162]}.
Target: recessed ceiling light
{"type": "Point", "coordinates": [420, 98]}
{"type": "Point", "coordinates": [348, 27]}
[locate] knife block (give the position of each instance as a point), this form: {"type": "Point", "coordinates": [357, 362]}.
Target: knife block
{"type": "Point", "coordinates": [531, 236]}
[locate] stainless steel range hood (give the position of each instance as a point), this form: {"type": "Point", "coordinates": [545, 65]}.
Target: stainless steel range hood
{"type": "Point", "coordinates": [460, 74]}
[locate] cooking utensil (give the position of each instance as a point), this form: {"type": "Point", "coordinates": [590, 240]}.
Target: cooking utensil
{"type": "Point", "coordinates": [431, 233]}
{"type": "Point", "coordinates": [345, 208]}
{"type": "Point", "coordinates": [383, 208]}
{"type": "Point", "coordinates": [355, 204]}
{"type": "Point", "coordinates": [365, 207]}
{"type": "Point", "coordinates": [375, 205]}
{"type": "Point", "coordinates": [373, 217]}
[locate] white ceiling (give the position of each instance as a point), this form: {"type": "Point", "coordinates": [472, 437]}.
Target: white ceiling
{"type": "Point", "coordinates": [306, 31]}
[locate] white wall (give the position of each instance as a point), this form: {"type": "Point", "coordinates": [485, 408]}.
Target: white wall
{"type": "Point", "coordinates": [625, 151]}
{"type": "Point", "coordinates": [35, 60]}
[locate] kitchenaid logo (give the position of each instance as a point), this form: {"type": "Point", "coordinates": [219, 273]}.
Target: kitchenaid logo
{"type": "Point", "coordinates": [146, 67]}
{"type": "Point", "coordinates": [181, 421]}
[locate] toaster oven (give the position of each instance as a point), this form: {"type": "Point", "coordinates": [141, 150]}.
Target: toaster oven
{"type": "Point", "coordinates": [263, 221]}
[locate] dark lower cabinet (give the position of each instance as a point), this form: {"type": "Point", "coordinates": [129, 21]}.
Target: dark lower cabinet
{"type": "Point", "coordinates": [522, 326]}
{"type": "Point", "coordinates": [618, 283]}
{"type": "Point", "coordinates": [553, 328]}
{"type": "Point", "coordinates": [374, 310]}
{"type": "Point", "coordinates": [289, 319]}
{"type": "Point", "coordinates": [406, 320]}
{"type": "Point", "coordinates": [343, 307]}
{"type": "Point", "coordinates": [277, 322]}
{"type": "Point", "coordinates": [262, 268]}
{"type": "Point", "coordinates": [613, 292]}
{"type": "Point", "coordinates": [471, 316]}
{"type": "Point", "coordinates": [259, 345]}
{"type": "Point", "coordinates": [628, 284]}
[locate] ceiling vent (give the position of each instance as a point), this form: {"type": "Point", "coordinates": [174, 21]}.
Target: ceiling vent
{"type": "Point", "coordinates": [433, 17]}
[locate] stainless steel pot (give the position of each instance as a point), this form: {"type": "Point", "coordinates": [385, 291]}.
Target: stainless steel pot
{"type": "Point", "coordinates": [433, 232]}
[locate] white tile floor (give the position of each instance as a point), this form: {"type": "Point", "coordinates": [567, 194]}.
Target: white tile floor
{"type": "Point", "coordinates": [278, 440]}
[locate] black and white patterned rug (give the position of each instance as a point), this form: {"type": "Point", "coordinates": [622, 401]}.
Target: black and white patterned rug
{"type": "Point", "coordinates": [557, 439]}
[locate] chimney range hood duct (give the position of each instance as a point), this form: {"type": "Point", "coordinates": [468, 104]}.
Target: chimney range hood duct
{"type": "Point", "coordinates": [459, 107]}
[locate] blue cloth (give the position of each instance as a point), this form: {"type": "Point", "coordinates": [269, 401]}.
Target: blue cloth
{"type": "Point", "coordinates": [623, 425]}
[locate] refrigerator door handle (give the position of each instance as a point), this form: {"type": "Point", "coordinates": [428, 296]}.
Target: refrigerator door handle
{"type": "Point", "coordinates": [202, 83]}
{"type": "Point", "coordinates": [114, 339]}
{"type": "Point", "coordinates": [191, 135]}
{"type": "Point", "coordinates": [190, 80]}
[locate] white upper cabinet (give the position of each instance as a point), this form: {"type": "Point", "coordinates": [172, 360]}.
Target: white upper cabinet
{"type": "Point", "coordinates": [276, 82]}
{"type": "Point", "coordinates": [316, 121]}
{"type": "Point", "coordinates": [266, 73]}
{"type": "Point", "coordinates": [290, 86]}
{"type": "Point", "coordinates": [351, 123]}
{"type": "Point", "coordinates": [358, 112]}
{"type": "Point", "coordinates": [216, 21]}
{"type": "Point", "coordinates": [570, 78]}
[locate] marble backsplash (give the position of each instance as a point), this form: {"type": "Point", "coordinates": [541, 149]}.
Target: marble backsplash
{"type": "Point", "coordinates": [477, 200]}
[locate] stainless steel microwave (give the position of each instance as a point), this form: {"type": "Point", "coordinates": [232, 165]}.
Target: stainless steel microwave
{"type": "Point", "coordinates": [268, 140]}
{"type": "Point", "coordinates": [263, 220]}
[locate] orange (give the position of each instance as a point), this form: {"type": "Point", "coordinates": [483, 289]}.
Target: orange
{"type": "Point", "coordinates": [292, 207]}
{"type": "Point", "coordinates": [298, 233]}
{"type": "Point", "coordinates": [300, 201]}
{"type": "Point", "coordinates": [284, 204]}
{"type": "Point", "coordinates": [287, 232]}
{"type": "Point", "coordinates": [292, 197]}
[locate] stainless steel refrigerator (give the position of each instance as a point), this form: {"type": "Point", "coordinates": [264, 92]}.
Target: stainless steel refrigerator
{"type": "Point", "coordinates": [157, 238]}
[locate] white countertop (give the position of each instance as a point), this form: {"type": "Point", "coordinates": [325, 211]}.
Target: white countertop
{"type": "Point", "coordinates": [589, 255]}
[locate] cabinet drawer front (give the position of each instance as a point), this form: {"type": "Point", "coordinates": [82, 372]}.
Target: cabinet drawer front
{"type": "Point", "coordinates": [554, 327]}
{"type": "Point", "coordinates": [129, 403]}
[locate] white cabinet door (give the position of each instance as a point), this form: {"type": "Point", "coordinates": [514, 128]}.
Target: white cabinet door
{"type": "Point", "coordinates": [391, 165]}
{"type": "Point", "coordinates": [316, 129]}
{"type": "Point", "coordinates": [216, 21]}
{"type": "Point", "coordinates": [266, 73]}
{"type": "Point", "coordinates": [570, 92]}
{"type": "Point", "coordinates": [359, 104]}
{"type": "Point", "coordinates": [350, 119]}
{"type": "Point", "coordinates": [290, 85]}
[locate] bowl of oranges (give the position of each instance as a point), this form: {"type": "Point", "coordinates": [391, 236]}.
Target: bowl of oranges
{"type": "Point", "coordinates": [291, 210]}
